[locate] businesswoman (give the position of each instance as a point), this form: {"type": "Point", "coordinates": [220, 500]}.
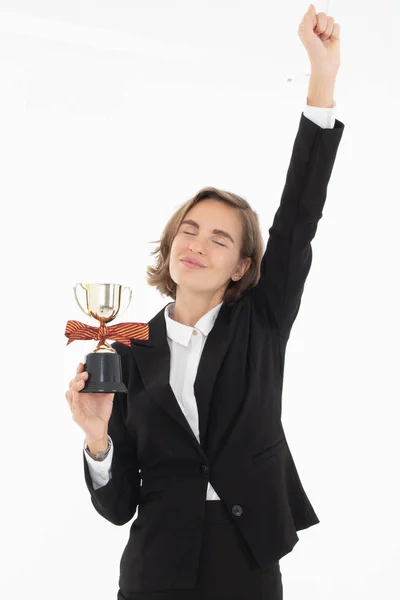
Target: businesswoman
{"type": "Point", "coordinates": [197, 446]}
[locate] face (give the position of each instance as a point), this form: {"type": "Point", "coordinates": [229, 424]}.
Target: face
{"type": "Point", "coordinates": [213, 237]}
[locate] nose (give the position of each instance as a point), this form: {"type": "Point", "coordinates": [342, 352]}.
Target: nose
{"type": "Point", "coordinates": [197, 245]}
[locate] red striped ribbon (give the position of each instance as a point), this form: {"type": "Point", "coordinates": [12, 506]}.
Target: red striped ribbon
{"type": "Point", "coordinates": [123, 332]}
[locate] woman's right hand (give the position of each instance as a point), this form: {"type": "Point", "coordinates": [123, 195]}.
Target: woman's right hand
{"type": "Point", "coordinates": [90, 411]}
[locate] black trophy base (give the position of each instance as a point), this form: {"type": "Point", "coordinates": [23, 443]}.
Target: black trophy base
{"type": "Point", "coordinates": [104, 374]}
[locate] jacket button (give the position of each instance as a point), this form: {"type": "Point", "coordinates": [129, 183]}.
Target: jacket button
{"type": "Point", "coordinates": [204, 468]}
{"type": "Point", "coordinates": [237, 510]}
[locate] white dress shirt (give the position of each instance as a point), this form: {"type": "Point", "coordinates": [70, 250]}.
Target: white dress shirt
{"type": "Point", "coordinates": [186, 345]}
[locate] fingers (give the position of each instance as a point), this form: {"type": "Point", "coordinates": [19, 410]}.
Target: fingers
{"type": "Point", "coordinates": [81, 374]}
{"type": "Point", "coordinates": [76, 384]}
{"type": "Point", "coordinates": [79, 369]}
{"type": "Point", "coordinates": [73, 389]}
{"type": "Point", "coordinates": [336, 31]}
{"type": "Point", "coordinates": [325, 28]}
{"type": "Point", "coordinates": [78, 378]}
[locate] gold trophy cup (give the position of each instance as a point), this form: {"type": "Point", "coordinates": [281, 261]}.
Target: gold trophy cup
{"type": "Point", "coordinates": [103, 303]}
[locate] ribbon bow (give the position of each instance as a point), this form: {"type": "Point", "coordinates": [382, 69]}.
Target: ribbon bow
{"type": "Point", "coordinates": [123, 332]}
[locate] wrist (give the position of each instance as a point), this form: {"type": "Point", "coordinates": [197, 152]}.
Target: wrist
{"type": "Point", "coordinates": [323, 78]}
{"type": "Point", "coordinates": [97, 446]}
{"type": "Point", "coordinates": [321, 89]}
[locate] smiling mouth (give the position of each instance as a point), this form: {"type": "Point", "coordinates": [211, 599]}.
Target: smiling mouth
{"type": "Point", "coordinates": [188, 263]}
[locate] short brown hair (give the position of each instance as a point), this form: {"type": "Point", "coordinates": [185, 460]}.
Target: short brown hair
{"type": "Point", "coordinates": [252, 245]}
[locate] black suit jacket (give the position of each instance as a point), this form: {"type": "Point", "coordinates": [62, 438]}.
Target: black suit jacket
{"type": "Point", "coordinates": [158, 464]}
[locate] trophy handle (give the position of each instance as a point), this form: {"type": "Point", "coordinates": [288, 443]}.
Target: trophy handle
{"type": "Point", "coordinates": [129, 301]}
{"type": "Point", "coordinates": [77, 299]}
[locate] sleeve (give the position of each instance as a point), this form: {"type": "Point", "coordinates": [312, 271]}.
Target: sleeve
{"type": "Point", "coordinates": [287, 259]}
{"type": "Point", "coordinates": [100, 471]}
{"type": "Point", "coordinates": [118, 499]}
{"type": "Point", "coordinates": [324, 117]}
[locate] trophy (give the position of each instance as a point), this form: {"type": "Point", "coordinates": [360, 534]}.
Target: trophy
{"type": "Point", "coordinates": [103, 303]}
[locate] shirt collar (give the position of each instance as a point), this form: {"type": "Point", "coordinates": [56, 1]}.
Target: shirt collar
{"type": "Point", "coordinates": [178, 332]}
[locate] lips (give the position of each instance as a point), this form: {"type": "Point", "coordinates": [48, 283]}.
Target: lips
{"type": "Point", "coordinates": [191, 261]}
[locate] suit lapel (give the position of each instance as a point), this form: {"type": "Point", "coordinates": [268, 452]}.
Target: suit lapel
{"type": "Point", "coordinates": [153, 358]}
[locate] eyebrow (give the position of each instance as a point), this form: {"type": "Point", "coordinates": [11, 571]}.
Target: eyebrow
{"type": "Point", "coordinates": [216, 231]}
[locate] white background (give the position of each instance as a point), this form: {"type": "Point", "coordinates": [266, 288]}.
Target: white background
{"type": "Point", "coordinates": [112, 114]}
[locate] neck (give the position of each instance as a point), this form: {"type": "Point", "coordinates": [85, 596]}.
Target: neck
{"type": "Point", "coordinates": [189, 311]}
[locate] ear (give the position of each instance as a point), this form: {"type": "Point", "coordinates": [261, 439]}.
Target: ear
{"type": "Point", "coordinates": [244, 267]}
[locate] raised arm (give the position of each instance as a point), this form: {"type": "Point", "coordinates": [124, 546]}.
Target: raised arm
{"type": "Point", "coordinates": [288, 255]}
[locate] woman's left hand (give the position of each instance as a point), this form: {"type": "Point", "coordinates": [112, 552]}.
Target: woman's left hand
{"type": "Point", "coordinates": [319, 35]}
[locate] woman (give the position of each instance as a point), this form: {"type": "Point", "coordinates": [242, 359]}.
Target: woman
{"type": "Point", "coordinates": [197, 444]}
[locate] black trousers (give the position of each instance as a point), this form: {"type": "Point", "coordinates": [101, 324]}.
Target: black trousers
{"type": "Point", "coordinates": [227, 567]}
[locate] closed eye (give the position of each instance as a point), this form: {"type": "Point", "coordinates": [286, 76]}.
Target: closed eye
{"type": "Point", "coordinates": [219, 243]}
